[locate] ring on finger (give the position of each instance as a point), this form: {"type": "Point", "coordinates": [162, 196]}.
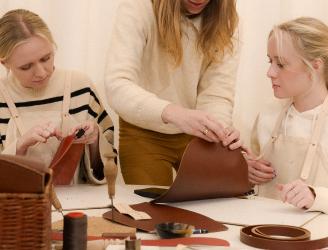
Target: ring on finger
{"type": "Point", "coordinates": [205, 131]}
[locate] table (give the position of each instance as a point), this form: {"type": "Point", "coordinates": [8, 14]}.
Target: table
{"type": "Point", "coordinates": [234, 212]}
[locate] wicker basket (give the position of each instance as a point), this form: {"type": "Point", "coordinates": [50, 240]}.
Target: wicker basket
{"type": "Point", "coordinates": [25, 220]}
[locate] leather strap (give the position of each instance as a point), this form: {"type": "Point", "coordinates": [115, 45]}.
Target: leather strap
{"type": "Point", "coordinates": [317, 131]}
{"type": "Point", "coordinates": [66, 100]}
{"type": "Point", "coordinates": [275, 131]}
{"type": "Point", "coordinates": [280, 237]}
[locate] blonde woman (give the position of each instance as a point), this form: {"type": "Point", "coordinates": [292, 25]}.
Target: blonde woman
{"type": "Point", "coordinates": [293, 142]}
{"type": "Point", "coordinates": [171, 75]}
{"type": "Point", "coordinates": [40, 104]}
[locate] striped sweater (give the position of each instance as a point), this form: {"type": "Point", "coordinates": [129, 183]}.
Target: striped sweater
{"type": "Point", "coordinates": [84, 105]}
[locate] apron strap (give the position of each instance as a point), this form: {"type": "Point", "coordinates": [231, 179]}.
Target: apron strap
{"type": "Point", "coordinates": [315, 137]}
{"type": "Point", "coordinates": [275, 131]}
{"type": "Point", "coordinates": [67, 95]}
{"type": "Point", "coordinates": [66, 102]}
{"type": "Point", "coordinates": [12, 108]}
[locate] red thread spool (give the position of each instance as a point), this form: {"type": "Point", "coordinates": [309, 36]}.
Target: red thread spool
{"type": "Point", "coordinates": [75, 231]}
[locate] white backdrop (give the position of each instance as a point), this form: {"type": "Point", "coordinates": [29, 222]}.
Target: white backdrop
{"type": "Point", "coordinates": [82, 28]}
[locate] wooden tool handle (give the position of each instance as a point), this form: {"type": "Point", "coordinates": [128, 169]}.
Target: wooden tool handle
{"type": "Point", "coordinates": [110, 171]}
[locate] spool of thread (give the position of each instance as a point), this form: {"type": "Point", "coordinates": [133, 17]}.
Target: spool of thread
{"type": "Point", "coordinates": [132, 244]}
{"type": "Point", "coordinates": [75, 231]}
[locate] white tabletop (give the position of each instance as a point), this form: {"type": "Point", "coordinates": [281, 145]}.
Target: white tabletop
{"type": "Point", "coordinates": [233, 211]}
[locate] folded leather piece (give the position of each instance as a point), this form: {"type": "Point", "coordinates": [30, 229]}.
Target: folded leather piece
{"type": "Point", "coordinates": [163, 213]}
{"type": "Point", "coordinates": [19, 174]}
{"type": "Point", "coordinates": [66, 160]}
{"type": "Point", "coordinates": [280, 237]}
{"type": "Point", "coordinates": [208, 170]}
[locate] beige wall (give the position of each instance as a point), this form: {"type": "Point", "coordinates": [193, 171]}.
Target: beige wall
{"type": "Point", "coordinates": [82, 27]}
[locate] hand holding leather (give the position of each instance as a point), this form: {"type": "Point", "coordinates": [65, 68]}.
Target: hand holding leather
{"type": "Point", "coordinates": [259, 171]}
{"type": "Point", "coordinates": [193, 122]}
{"type": "Point", "coordinates": [231, 138]}
{"type": "Point", "coordinates": [91, 132]}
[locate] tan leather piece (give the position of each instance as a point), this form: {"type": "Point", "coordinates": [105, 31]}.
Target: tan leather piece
{"type": "Point", "coordinates": [19, 174]}
{"type": "Point", "coordinates": [208, 170]}
{"type": "Point", "coordinates": [164, 213]}
{"type": "Point", "coordinates": [66, 160]}
{"type": "Point", "coordinates": [280, 237]}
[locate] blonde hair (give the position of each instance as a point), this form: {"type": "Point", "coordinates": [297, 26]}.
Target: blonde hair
{"type": "Point", "coordinates": [309, 37]}
{"type": "Point", "coordinates": [219, 21]}
{"type": "Point", "coordinates": [18, 25]}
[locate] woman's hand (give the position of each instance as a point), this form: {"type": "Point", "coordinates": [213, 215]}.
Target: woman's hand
{"type": "Point", "coordinates": [90, 135]}
{"type": "Point", "coordinates": [38, 134]}
{"type": "Point", "coordinates": [259, 171]}
{"type": "Point", "coordinates": [231, 138]}
{"type": "Point", "coordinates": [194, 122]}
{"type": "Point", "coordinates": [297, 193]}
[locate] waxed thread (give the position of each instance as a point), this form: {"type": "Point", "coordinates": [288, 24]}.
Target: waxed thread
{"type": "Point", "coordinates": [75, 231]}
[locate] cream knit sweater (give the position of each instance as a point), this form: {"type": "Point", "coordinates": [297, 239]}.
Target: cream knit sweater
{"type": "Point", "coordinates": [141, 79]}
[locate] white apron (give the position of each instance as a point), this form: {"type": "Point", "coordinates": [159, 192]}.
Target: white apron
{"type": "Point", "coordinates": [20, 123]}
{"type": "Point", "coordinates": [296, 157]}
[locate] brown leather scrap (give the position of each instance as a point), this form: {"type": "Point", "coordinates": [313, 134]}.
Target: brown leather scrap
{"type": "Point", "coordinates": [163, 213]}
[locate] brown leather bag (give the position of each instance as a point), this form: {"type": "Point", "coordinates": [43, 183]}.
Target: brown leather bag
{"type": "Point", "coordinates": [208, 170]}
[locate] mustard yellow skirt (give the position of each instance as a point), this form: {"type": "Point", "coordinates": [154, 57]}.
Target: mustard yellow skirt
{"type": "Point", "coordinates": [148, 157]}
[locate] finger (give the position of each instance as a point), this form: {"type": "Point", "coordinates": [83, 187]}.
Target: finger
{"type": "Point", "coordinates": [41, 131]}
{"type": "Point", "coordinates": [262, 176]}
{"type": "Point", "coordinates": [298, 197]}
{"type": "Point", "coordinates": [290, 195]}
{"type": "Point", "coordinates": [246, 149]}
{"type": "Point", "coordinates": [209, 134]}
{"type": "Point", "coordinates": [285, 189]}
{"type": "Point", "coordinates": [216, 128]}
{"type": "Point", "coordinates": [38, 138]}
{"type": "Point", "coordinates": [201, 135]}
{"type": "Point", "coordinates": [58, 134]}
{"type": "Point", "coordinates": [258, 180]}
{"type": "Point", "coordinates": [235, 145]}
{"type": "Point", "coordinates": [304, 203]}
{"type": "Point", "coordinates": [264, 162]}
{"type": "Point", "coordinates": [252, 181]}
{"type": "Point", "coordinates": [260, 166]}
{"type": "Point", "coordinates": [231, 137]}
